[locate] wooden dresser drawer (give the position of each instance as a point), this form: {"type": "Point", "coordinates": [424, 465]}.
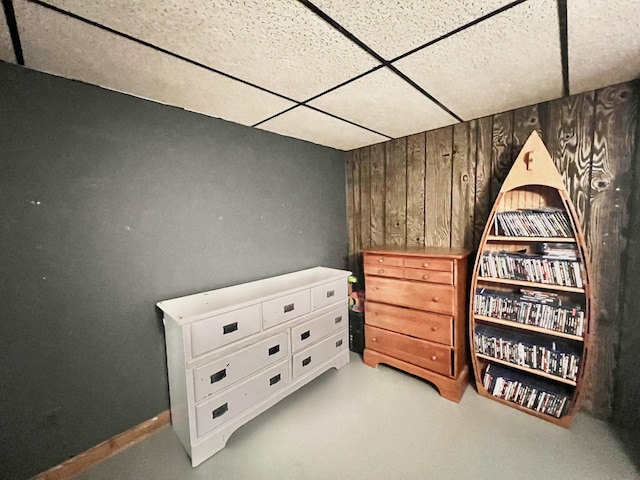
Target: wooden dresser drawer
{"type": "Point", "coordinates": [219, 330]}
{"type": "Point", "coordinates": [383, 270]}
{"type": "Point", "coordinates": [421, 295]}
{"type": "Point", "coordinates": [314, 356]}
{"type": "Point", "coordinates": [220, 408]}
{"type": "Point", "coordinates": [440, 264]}
{"type": "Point", "coordinates": [416, 323]}
{"type": "Point", "coordinates": [226, 371]}
{"type": "Point", "coordinates": [310, 332]}
{"type": "Point", "coordinates": [427, 355]}
{"type": "Point", "coordinates": [329, 293]}
{"type": "Point", "coordinates": [429, 276]}
{"type": "Point", "coordinates": [383, 260]}
{"type": "Point", "coordinates": [285, 308]}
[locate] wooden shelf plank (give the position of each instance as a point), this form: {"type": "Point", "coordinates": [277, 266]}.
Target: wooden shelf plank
{"type": "Point", "coordinates": [538, 373]}
{"type": "Point", "coordinates": [503, 238]}
{"type": "Point", "coordinates": [547, 286]}
{"type": "Point", "coordinates": [524, 326]}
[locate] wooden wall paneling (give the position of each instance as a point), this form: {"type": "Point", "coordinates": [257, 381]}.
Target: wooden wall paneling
{"type": "Point", "coordinates": [377, 194]}
{"type": "Point", "coordinates": [396, 192]}
{"type": "Point", "coordinates": [616, 109]}
{"type": "Point", "coordinates": [416, 163]}
{"type": "Point", "coordinates": [503, 153]}
{"type": "Point", "coordinates": [569, 129]}
{"type": "Point", "coordinates": [464, 183]}
{"type": "Point", "coordinates": [351, 218]}
{"type": "Point", "coordinates": [483, 203]}
{"type": "Point", "coordinates": [365, 197]}
{"type": "Point", "coordinates": [357, 214]}
{"type": "Point", "coordinates": [438, 170]}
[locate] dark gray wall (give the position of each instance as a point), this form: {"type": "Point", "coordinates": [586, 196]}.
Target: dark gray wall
{"type": "Point", "coordinates": [108, 204]}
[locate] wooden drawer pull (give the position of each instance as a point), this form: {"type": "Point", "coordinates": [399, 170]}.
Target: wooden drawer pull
{"type": "Point", "coordinates": [374, 339]}
{"type": "Point", "coordinates": [436, 299]}
{"type": "Point", "coordinates": [381, 270]}
{"type": "Point", "coordinates": [425, 264]}
{"type": "Point", "coordinates": [434, 329]}
{"type": "Point", "coordinates": [434, 358]}
{"type": "Point", "coordinates": [425, 277]}
{"type": "Point", "coordinates": [381, 260]}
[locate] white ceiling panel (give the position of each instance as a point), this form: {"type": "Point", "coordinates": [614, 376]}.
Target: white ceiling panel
{"type": "Point", "coordinates": [508, 61]}
{"type": "Point", "coordinates": [308, 124]}
{"type": "Point", "coordinates": [6, 47]}
{"type": "Point", "coordinates": [279, 45]}
{"type": "Point", "coordinates": [67, 47]}
{"type": "Point", "coordinates": [383, 102]}
{"type": "Point", "coordinates": [393, 27]}
{"type": "Point", "coordinates": [604, 43]}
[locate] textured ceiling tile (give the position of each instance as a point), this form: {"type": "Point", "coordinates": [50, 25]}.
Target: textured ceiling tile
{"type": "Point", "coordinates": [393, 27]}
{"type": "Point", "coordinates": [508, 61]}
{"type": "Point", "coordinates": [63, 46]}
{"type": "Point", "coordinates": [308, 124]}
{"type": "Point", "coordinates": [604, 43]}
{"type": "Point", "coordinates": [384, 102]}
{"type": "Point", "coordinates": [279, 45]}
{"type": "Point", "coordinates": [6, 47]}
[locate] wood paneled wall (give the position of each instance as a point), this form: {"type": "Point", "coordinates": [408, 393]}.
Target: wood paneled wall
{"type": "Point", "coordinates": [437, 188]}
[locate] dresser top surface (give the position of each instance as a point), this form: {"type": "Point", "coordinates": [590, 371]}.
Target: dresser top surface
{"type": "Point", "coordinates": [190, 308]}
{"type": "Point", "coordinates": [419, 251]}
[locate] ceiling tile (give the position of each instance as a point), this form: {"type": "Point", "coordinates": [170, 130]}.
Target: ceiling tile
{"type": "Point", "coordinates": [63, 46]}
{"type": "Point", "coordinates": [383, 102]}
{"type": "Point", "coordinates": [316, 127]}
{"type": "Point", "coordinates": [6, 46]}
{"type": "Point", "coordinates": [604, 43]}
{"type": "Point", "coordinates": [279, 45]}
{"type": "Point", "coordinates": [508, 61]}
{"type": "Point", "coordinates": [392, 27]}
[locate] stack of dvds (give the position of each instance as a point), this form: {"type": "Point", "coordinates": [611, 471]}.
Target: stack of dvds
{"type": "Point", "coordinates": [540, 222]}
{"type": "Point", "coordinates": [531, 268]}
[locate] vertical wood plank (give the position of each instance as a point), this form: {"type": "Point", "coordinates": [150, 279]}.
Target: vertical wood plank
{"type": "Point", "coordinates": [463, 184]}
{"type": "Point", "coordinates": [616, 115]}
{"type": "Point", "coordinates": [415, 189]}
{"type": "Point", "coordinates": [439, 169]}
{"type": "Point", "coordinates": [569, 138]}
{"type": "Point", "coordinates": [357, 262]}
{"type": "Point", "coordinates": [525, 121]}
{"type": "Point", "coordinates": [503, 154]}
{"type": "Point", "coordinates": [348, 175]}
{"type": "Point", "coordinates": [483, 203]}
{"type": "Point", "coordinates": [396, 192]}
{"type": "Point", "coordinates": [377, 194]}
{"type": "Point", "coordinates": [365, 197]}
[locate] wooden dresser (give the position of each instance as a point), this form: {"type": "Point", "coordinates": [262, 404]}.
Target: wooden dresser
{"type": "Point", "coordinates": [415, 313]}
{"type": "Point", "coordinates": [234, 352]}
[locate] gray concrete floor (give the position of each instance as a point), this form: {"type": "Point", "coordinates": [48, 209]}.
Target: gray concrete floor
{"type": "Point", "coordinates": [365, 423]}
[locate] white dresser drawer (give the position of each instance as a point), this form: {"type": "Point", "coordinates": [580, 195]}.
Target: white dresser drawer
{"type": "Point", "coordinates": [285, 308]}
{"type": "Point", "coordinates": [310, 332]}
{"type": "Point", "coordinates": [328, 293]}
{"type": "Point", "coordinates": [223, 329]}
{"type": "Point", "coordinates": [226, 371]}
{"type": "Point", "coordinates": [315, 355]}
{"type": "Point", "coordinates": [215, 411]}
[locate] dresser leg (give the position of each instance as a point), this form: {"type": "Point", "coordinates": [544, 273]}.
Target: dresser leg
{"type": "Point", "coordinates": [370, 358]}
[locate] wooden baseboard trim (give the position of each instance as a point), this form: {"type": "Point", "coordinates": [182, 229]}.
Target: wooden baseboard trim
{"type": "Point", "coordinates": [92, 457]}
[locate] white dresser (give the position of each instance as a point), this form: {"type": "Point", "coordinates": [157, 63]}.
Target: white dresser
{"type": "Point", "coordinates": [234, 352]}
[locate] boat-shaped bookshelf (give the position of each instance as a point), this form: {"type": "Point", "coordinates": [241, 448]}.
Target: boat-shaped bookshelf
{"type": "Point", "coordinates": [530, 294]}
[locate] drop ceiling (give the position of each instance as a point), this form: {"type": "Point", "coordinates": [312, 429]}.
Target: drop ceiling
{"type": "Point", "coordinates": [340, 73]}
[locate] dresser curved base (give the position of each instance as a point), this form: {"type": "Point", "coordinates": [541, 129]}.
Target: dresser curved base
{"type": "Point", "coordinates": [449, 388]}
{"type": "Point", "coordinates": [215, 441]}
